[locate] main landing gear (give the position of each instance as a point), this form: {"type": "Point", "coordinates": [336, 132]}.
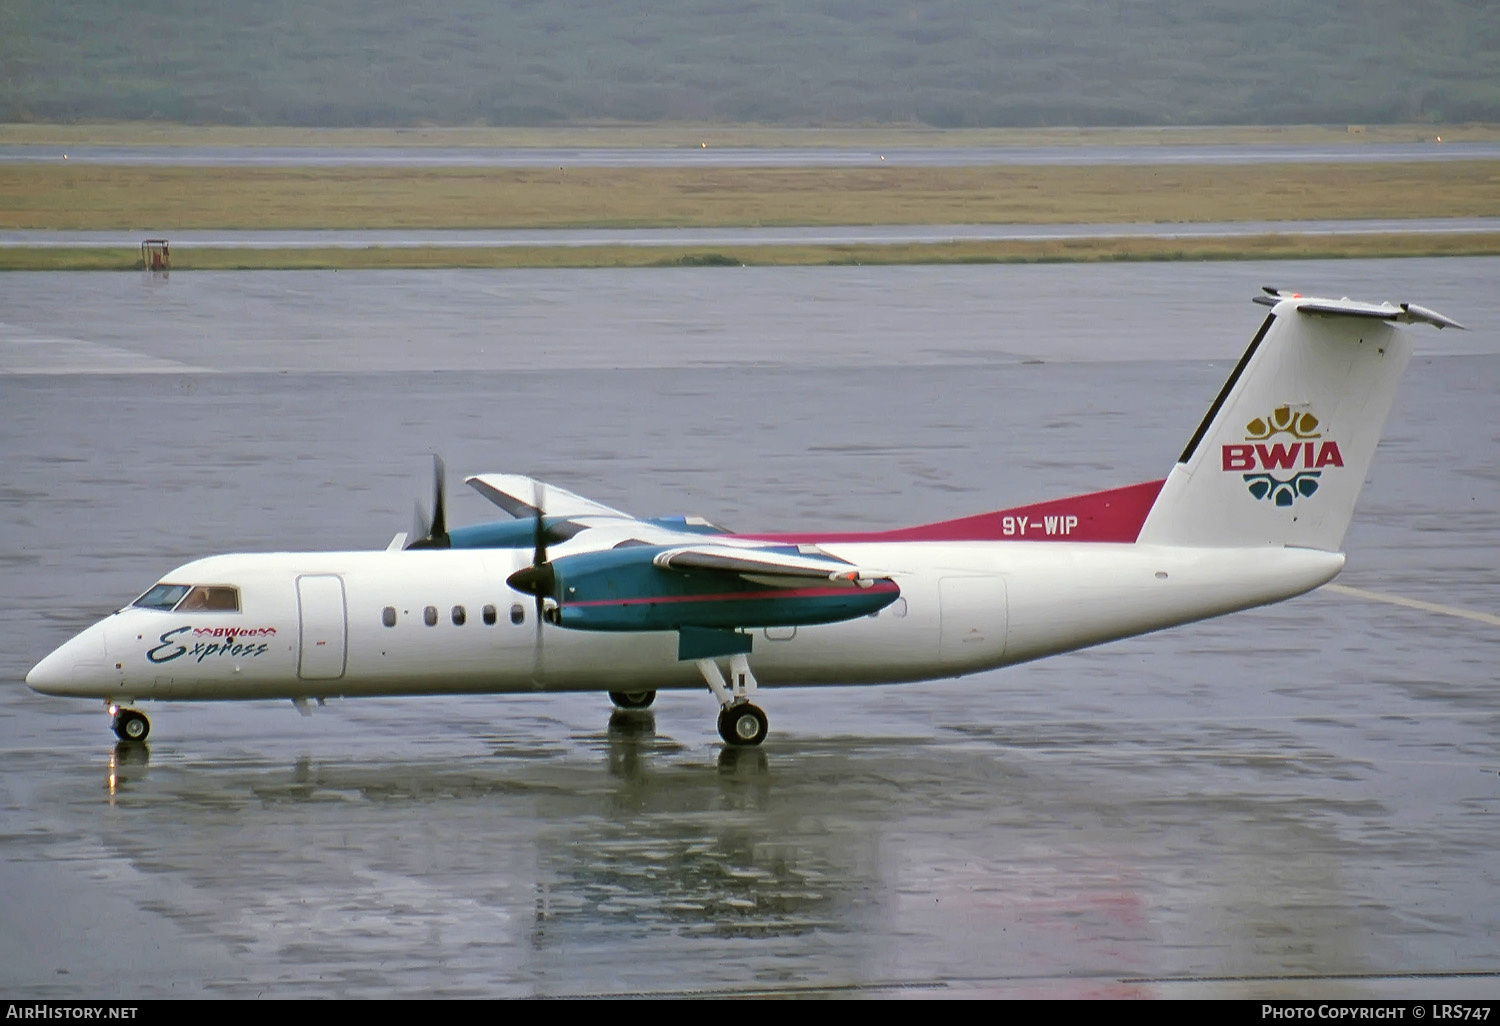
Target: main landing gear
{"type": "Point", "coordinates": [740, 722]}
{"type": "Point", "coordinates": [632, 699]}
{"type": "Point", "coordinates": [129, 724]}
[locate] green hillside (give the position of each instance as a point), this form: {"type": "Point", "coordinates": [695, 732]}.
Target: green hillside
{"type": "Point", "coordinates": [935, 62]}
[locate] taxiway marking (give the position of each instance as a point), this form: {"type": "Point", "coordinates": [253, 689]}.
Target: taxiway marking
{"type": "Point", "coordinates": [1411, 603]}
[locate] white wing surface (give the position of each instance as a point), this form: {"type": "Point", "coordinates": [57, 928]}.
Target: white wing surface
{"type": "Point", "coordinates": [517, 494]}
{"type": "Point", "coordinates": [763, 563]}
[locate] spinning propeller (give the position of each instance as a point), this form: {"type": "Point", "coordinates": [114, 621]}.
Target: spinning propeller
{"type": "Point", "coordinates": [432, 533]}
{"type": "Point", "coordinates": [538, 579]}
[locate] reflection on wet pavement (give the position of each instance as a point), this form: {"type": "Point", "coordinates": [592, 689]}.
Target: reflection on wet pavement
{"type": "Point", "coordinates": [1287, 802]}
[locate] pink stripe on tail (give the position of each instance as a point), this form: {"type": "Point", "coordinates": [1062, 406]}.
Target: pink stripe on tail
{"type": "Point", "coordinates": [1115, 515]}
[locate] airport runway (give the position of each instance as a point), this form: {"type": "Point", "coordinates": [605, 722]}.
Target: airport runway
{"type": "Point", "coordinates": [1293, 802]}
{"type": "Point", "coordinates": [880, 235]}
{"type": "Point", "coordinates": [712, 156]}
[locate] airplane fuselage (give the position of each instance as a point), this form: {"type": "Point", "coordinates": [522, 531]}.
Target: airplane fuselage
{"type": "Point", "coordinates": [324, 625]}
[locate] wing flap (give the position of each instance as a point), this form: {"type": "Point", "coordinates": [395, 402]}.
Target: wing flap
{"type": "Point", "coordinates": [761, 563]}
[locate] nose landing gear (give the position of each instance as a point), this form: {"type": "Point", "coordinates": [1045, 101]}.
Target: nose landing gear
{"type": "Point", "coordinates": [129, 724]}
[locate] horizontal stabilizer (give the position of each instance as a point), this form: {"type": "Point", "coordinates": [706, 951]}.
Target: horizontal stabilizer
{"type": "Point", "coordinates": [1402, 313]}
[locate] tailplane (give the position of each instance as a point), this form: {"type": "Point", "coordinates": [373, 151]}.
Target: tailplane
{"type": "Point", "coordinates": [1283, 452]}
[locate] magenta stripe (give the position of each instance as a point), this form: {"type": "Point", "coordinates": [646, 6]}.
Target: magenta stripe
{"type": "Point", "coordinates": [878, 587]}
{"type": "Point", "coordinates": [1116, 515]}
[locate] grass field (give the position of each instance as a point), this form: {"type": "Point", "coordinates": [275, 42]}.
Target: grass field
{"type": "Point", "coordinates": [81, 196]}
{"type": "Point", "coordinates": [62, 196]}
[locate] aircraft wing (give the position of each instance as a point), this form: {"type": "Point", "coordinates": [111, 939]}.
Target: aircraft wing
{"type": "Point", "coordinates": [518, 495]}
{"type": "Point", "coordinates": [764, 563]}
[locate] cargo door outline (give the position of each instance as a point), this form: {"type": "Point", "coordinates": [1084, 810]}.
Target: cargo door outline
{"type": "Point", "coordinates": [324, 627]}
{"type": "Point", "coordinates": [974, 617]}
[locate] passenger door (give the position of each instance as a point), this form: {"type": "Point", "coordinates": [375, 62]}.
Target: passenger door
{"type": "Point", "coordinates": [320, 603]}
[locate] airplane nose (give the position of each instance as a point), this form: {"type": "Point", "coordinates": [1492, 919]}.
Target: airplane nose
{"type": "Point", "coordinates": [78, 667]}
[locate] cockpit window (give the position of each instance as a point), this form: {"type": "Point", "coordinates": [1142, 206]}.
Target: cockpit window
{"type": "Point", "coordinates": [185, 598]}
{"type": "Point", "coordinates": [211, 599]}
{"type": "Point", "coordinates": [163, 596]}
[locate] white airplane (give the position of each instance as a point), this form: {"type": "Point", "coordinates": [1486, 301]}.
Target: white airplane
{"type": "Point", "coordinates": [575, 596]}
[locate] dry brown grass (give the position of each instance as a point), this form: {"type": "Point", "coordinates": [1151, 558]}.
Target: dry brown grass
{"type": "Point", "coordinates": [79, 196]}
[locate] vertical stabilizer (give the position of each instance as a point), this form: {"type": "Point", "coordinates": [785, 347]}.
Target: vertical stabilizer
{"type": "Point", "coordinates": [1283, 452]}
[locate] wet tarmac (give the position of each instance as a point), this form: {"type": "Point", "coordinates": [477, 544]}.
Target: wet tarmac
{"type": "Point", "coordinates": [1297, 801]}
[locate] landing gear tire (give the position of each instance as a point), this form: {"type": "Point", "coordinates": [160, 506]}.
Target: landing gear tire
{"type": "Point", "coordinates": [633, 699]}
{"type": "Point", "coordinates": [131, 726]}
{"type": "Point", "coordinates": [742, 724]}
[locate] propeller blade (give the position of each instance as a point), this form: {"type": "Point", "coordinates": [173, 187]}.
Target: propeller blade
{"type": "Point", "coordinates": [538, 527]}
{"type": "Point", "coordinates": [433, 533]}
{"type": "Point", "coordinates": [546, 576]}
{"type": "Point", "coordinates": [539, 553]}
{"type": "Point", "coordinates": [538, 579]}
{"type": "Point", "coordinates": [439, 500]}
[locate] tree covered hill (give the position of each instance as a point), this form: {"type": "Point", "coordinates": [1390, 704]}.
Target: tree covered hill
{"type": "Point", "coordinates": [937, 62]}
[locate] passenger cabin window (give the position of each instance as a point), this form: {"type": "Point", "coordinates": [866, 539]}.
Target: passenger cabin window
{"type": "Point", "coordinates": [459, 616]}
{"type": "Point", "coordinates": [388, 616]}
{"type": "Point", "coordinates": [185, 598]}
{"type": "Point", "coordinates": [489, 616]}
{"type": "Point", "coordinates": [518, 613]}
{"type": "Point", "coordinates": [429, 616]}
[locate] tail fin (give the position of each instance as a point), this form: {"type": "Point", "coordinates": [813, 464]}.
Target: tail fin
{"type": "Point", "coordinates": [1283, 452]}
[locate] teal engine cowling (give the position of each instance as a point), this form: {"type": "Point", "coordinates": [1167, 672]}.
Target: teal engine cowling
{"type": "Point", "coordinates": [623, 590]}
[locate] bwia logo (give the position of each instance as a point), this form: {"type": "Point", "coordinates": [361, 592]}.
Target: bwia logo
{"type": "Point", "coordinates": [1306, 454]}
